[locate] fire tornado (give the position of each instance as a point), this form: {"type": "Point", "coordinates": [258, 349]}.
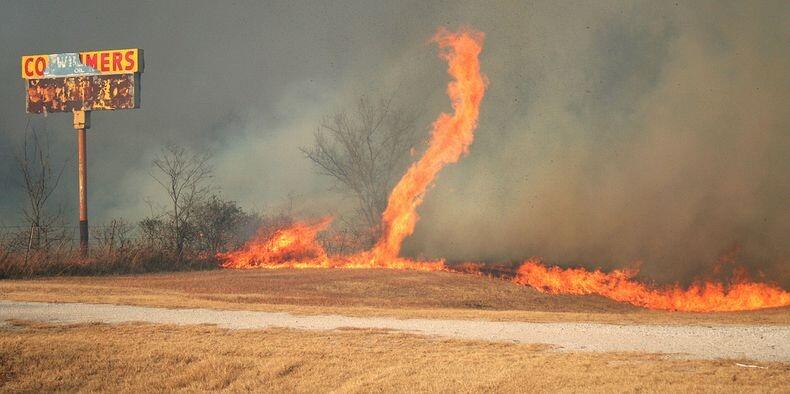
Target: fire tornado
{"type": "Point", "coordinates": [450, 139]}
{"type": "Point", "coordinates": [451, 136]}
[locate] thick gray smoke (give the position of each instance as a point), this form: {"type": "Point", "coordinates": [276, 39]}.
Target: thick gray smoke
{"type": "Point", "coordinates": [663, 137]}
{"type": "Point", "coordinates": [611, 132]}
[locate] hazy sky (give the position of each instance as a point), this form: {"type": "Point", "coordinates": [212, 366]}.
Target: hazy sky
{"type": "Point", "coordinates": [612, 132]}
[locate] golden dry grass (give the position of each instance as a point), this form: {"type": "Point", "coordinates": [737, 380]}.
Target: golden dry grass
{"type": "Point", "coordinates": [135, 358]}
{"type": "Point", "coordinates": [360, 293]}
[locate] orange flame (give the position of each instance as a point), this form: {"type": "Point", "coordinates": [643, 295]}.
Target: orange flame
{"type": "Point", "coordinates": [297, 246]}
{"type": "Point", "coordinates": [451, 137]}
{"type": "Point", "coordinates": [291, 247]}
{"type": "Point", "coordinates": [619, 285]}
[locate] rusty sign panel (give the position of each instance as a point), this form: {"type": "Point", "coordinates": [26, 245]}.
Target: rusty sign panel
{"type": "Point", "coordinates": [113, 61]}
{"type": "Point", "coordinates": [83, 93]}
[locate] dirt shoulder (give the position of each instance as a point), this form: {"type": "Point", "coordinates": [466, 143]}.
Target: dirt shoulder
{"type": "Point", "coordinates": [401, 294]}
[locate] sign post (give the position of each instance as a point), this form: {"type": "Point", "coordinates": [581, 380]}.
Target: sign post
{"type": "Point", "coordinates": [80, 83]}
{"type": "Point", "coordinates": [82, 123]}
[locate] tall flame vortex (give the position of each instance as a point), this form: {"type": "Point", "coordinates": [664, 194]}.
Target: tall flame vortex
{"type": "Point", "coordinates": [450, 138]}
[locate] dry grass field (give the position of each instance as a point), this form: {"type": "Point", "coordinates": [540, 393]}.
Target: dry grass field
{"type": "Point", "coordinates": [360, 293]}
{"type": "Point", "coordinates": [148, 358]}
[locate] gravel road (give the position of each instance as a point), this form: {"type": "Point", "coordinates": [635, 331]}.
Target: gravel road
{"type": "Point", "coordinates": [766, 343]}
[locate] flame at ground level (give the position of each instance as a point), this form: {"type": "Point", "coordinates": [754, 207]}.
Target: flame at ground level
{"type": "Point", "coordinates": [290, 247]}
{"type": "Point", "coordinates": [296, 247]}
{"type": "Point", "coordinates": [619, 285]}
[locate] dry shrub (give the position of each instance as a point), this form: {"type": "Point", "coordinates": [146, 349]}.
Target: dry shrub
{"type": "Point", "coordinates": [129, 260]}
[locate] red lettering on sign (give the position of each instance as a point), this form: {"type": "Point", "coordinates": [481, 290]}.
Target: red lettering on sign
{"type": "Point", "coordinates": [104, 62]}
{"type": "Point", "coordinates": [129, 60]}
{"type": "Point", "coordinates": [40, 65]}
{"type": "Point", "coordinates": [116, 61]}
{"type": "Point", "coordinates": [28, 71]}
{"type": "Point", "coordinates": [90, 60]}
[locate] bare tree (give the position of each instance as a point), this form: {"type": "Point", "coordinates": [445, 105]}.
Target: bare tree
{"type": "Point", "coordinates": [365, 151]}
{"type": "Point", "coordinates": [185, 176]}
{"type": "Point", "coordinates": [39, 180]}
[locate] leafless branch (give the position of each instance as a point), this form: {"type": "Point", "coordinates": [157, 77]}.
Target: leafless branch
{"type": "Point", "coordinates": [39, 181]}
{"type": "Point", "coordinates": [185, 176]}
{"type": "Point", "coordinates": [365, 151]}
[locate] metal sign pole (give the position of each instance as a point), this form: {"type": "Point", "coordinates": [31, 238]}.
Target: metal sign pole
{"type": "Point", "coordinates": [81, 123]}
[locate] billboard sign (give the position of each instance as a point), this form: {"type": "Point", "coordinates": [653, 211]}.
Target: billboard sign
{"type": "Point", "coordinates": [114, 61]}
{"type": "Point", "coordinates": [85, 81]}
